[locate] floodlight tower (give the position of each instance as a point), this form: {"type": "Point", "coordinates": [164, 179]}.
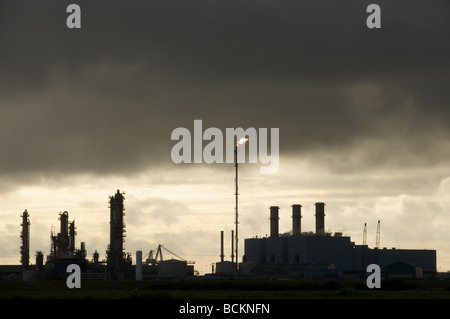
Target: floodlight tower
{"type": "Point", "coordinates": [242, 141]}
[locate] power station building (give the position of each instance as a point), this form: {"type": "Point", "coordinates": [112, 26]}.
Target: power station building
{"type": "Point", "coordinates": [295, 251]}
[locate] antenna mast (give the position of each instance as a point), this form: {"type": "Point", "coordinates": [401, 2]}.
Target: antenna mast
{"type": "Point", "coordinates": [236, 207]}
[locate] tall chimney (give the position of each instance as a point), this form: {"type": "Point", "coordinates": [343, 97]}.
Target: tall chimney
{"type": "Point", "coordinates": [296, 219]}
{"type": "Point", "coordinates": [274, 221]}
{"type": "Point", "coordinates": [221, 246]}
{"type": "Point", "coordinates": [320, 219]}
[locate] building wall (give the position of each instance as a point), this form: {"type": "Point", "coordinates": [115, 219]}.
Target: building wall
{"type": "Point", "coordinates": [403, 270]}
{"type": "Point", "coordinates": [424, 258]}
{"type": "Point", "coordinates": [321, 249]}
{"type": "Point", "coordinates": [276, 250]}
{"type": "Point", "coordinates": [339, 250]}
{"type": "Point", "coordinates": [255, 250]}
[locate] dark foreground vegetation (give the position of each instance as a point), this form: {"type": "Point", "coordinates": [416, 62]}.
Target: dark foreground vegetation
{"type": "Point", "coordinates": [224, 289]}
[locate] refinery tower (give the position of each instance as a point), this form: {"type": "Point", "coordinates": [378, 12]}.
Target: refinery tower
{"type": "Point", "coordinates": [116, 261]}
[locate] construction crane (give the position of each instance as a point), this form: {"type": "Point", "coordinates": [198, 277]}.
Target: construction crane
{"type": "Point", "coordinates": [154, 260]}
{"type": "Point", "coordinates": [377, 244]}
{"type": "Point", "coordinates": [365, 234]}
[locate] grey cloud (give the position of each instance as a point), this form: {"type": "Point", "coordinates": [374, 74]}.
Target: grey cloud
{"type": "Point", "coordinates": [104, 99]}
{"type": "Point", "coordinates": [154, 211]}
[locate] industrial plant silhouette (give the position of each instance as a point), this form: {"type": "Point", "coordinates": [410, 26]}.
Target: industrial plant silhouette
{"type": "Point", "coordinates": [292, 255]}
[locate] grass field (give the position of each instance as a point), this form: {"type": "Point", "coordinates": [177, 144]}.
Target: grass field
{"type": "Point", "coordinates": [225, 289]}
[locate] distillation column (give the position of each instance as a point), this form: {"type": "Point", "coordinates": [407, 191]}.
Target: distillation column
{"type": "Point", "coordinates": [115, 259]}
{"type": "Point", "coordinates": [25, 235]}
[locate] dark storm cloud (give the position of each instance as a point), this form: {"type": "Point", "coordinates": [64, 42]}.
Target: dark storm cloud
{"type": "Point", "coordinates": [104, 99]}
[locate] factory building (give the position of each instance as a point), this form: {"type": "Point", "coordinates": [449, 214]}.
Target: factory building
{"type": "Point", "coordinates": [117, 265]}
{"type": "Point", "coordinates": [63, 243]}
{"type": "Point", "coordinates": [402, 270]}
{"type": "Point", "coordinates": [62, 250]}
{"type": "Point", "coordinates": [295, 254]}
{"type": "Point", "coordinates": [323, 248]}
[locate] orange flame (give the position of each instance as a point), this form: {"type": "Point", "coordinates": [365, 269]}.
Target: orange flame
{"type": "Point", "coordinates": [243, 140]}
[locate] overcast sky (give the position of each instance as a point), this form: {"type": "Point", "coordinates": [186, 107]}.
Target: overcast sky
{"type": "Point", "coordinates": [363, 116]}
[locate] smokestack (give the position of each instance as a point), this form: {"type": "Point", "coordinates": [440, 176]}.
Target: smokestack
{"type": "Point", "coordinates": [274, 221]}
{"type": "Point", "coordinates": [221, 245]}
{"type": "Point", "coordinates": [83, 249]}
{"type": "Point", "coordinates": [296, 219]}
{"type": "Point", "coordinates": [320, 219]}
